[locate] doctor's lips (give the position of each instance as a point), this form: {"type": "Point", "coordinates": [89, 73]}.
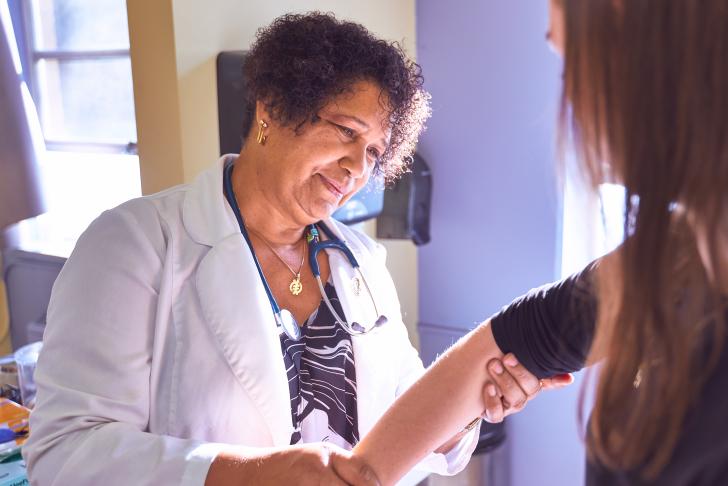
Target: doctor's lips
{"type": "Point", "coordinates": [337, 189]}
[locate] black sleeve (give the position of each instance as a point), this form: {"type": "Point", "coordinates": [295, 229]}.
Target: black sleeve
{"type": "Point", "coordinates": [550, 329]}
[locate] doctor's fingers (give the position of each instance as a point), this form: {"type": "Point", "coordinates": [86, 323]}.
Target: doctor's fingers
{"type": "Point", "coordinates": [558, 381]}
{"type": "Point", "coordinates": [302, 465]}
{"type": "Point", "coordinates": [525, 379]}
{"type": "Point", "coordinates": [529, 383]}
{"type": "Point", "coordinates": [494, 412]}
{"type": "Point", "coordinates": [351, 469]}
{"type": "Point", "coordinates": [514, 397]}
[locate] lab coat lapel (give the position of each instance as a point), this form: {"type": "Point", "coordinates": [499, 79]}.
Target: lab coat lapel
{"type": "Point", "coordinates": [237, 309]}
{"type": "Point", "coordinates": [235, 304]}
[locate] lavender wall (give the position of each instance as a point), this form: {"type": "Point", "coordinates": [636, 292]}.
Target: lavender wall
{"type": "Point", "coordinates": [495, 212]}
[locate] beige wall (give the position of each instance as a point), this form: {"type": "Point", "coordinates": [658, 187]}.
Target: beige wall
{"type": "Point", "coordinates": [5, 345]}
{"type": "Point", "coordinates": [173, 48]}
{"type": "Point", "coordinates": [156, 99]}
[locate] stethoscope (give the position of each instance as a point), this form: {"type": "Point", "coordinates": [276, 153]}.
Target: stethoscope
{"type": "Point", "coordinates": [284, 319]}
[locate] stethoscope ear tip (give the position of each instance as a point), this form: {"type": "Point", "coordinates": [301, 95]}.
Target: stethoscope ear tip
{"type": "Point", "coordinates": [359, 329]}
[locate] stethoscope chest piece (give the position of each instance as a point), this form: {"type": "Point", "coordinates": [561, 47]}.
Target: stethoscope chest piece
{"type": "Point", "coordinates": [286, 321]}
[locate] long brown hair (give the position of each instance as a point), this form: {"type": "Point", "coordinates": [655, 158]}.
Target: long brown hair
{"type": "Point", "coordinates": [645, 102]}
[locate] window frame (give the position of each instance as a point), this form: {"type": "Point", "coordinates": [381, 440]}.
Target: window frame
{"type": "Point", "coordinates": [32, 56]}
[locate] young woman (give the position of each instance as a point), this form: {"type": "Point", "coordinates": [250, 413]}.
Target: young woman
{"type": "Point", "coordinates": [644, 103]}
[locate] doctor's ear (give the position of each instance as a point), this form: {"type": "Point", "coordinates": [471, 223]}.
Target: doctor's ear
{"type": "Point", "coordinates": [261, 123]}
{"type": "Point", "coordinates": [261, 111]}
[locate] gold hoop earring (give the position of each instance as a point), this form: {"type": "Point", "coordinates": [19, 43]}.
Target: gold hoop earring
{"type": "Point", "coordinates": [261, 138]}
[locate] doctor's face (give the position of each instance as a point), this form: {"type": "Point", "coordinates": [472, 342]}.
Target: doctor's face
{"type": "Point", "coordinates": [313, 171]}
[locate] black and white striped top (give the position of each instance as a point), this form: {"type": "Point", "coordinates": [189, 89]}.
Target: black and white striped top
{"type": "Point", "coordinates": [322, 379]}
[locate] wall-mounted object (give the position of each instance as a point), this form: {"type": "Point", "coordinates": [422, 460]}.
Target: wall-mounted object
{"type": "Point", "coordinates": [406, 211]}
{"type": "Point", "coordinates": [232, 101]}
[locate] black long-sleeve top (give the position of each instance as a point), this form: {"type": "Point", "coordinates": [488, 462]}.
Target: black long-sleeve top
{"type": "Point", "coordinates": [550, 330]}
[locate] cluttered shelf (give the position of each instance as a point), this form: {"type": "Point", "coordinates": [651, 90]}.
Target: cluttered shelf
{"type": "Point", "coordinates": [17, 395]}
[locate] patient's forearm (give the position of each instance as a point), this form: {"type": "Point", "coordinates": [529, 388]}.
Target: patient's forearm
{"type": "Point", "coordinates": [436, 407]}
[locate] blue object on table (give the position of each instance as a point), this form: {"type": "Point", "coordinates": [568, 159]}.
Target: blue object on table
{"type": "Point", "coordinates": [6, 435]}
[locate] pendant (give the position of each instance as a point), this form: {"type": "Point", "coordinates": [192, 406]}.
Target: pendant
{"type": "Point", "coordinates": [356, 286]}
{"type": "Point", "coordinates": [296, 286]}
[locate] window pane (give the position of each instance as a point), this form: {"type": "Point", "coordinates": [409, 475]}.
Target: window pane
{"type": "Point", "coordinates": [72, 201]}
{"type": "Point", "coordinates": [87, 100]}
{"type": "Point", "coordinates": [81, 24]}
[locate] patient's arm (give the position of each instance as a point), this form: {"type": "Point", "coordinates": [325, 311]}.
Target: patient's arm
{"type": "Point", "coordinates": [416, 424]}
{"type": "Point", "coordinates": [550, 330]}
{"type": "Point", "coordinates": [510, 388]}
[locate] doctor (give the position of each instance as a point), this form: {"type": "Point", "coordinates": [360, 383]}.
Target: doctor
{"type": "Point", "coordinates": [188, 340]}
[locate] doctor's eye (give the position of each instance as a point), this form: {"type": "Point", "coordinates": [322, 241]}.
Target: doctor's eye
{"type": "Point", "coordinates": [373, 154]}
{"type": "Point", "coordinates": [348, 132]}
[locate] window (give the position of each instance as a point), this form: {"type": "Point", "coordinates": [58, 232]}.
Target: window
{"type": "Point", "coordinates": [79, 74]}
{"type": "Point", "coordinates": [592, 224]}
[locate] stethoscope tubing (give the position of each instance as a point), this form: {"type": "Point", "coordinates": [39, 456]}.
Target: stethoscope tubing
{"type": "Point", "coordinates": [315, 245]}
{"type": "Point", "coordinates": [230, 196]}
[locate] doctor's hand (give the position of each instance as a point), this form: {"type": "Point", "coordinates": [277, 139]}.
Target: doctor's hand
{"type": "Point", "coordinates": [305, 465]}
{"type": "Point", "coordinates": [512, 386]}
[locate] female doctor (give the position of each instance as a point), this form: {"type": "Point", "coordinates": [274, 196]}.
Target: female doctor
{"type": "Point", "coordinates": [189, 340]}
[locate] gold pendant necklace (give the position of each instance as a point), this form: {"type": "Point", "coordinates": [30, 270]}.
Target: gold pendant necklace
{"type": "Point", "coordinates": [296, 286]}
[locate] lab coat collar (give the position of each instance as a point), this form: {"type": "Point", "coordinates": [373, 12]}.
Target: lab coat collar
{"type": "Point", "coordinates": [207, 216]}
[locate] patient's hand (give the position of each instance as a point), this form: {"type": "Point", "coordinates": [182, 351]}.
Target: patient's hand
{"type": "Point", "coordinates": [512, 386]}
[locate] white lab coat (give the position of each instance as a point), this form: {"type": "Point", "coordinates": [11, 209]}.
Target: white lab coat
{"type": "Point", "coordinates": [161, 348]}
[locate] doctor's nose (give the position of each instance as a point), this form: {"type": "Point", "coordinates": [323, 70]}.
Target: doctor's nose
{"type": "Point", "coordinates": [356, 163]}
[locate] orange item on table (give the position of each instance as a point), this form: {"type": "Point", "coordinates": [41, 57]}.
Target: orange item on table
{"type": "Point", "coordinates": [14, 417]}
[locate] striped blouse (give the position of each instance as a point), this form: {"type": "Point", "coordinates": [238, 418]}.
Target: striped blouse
{"type": "Point", "coordinates": [322, 379]}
